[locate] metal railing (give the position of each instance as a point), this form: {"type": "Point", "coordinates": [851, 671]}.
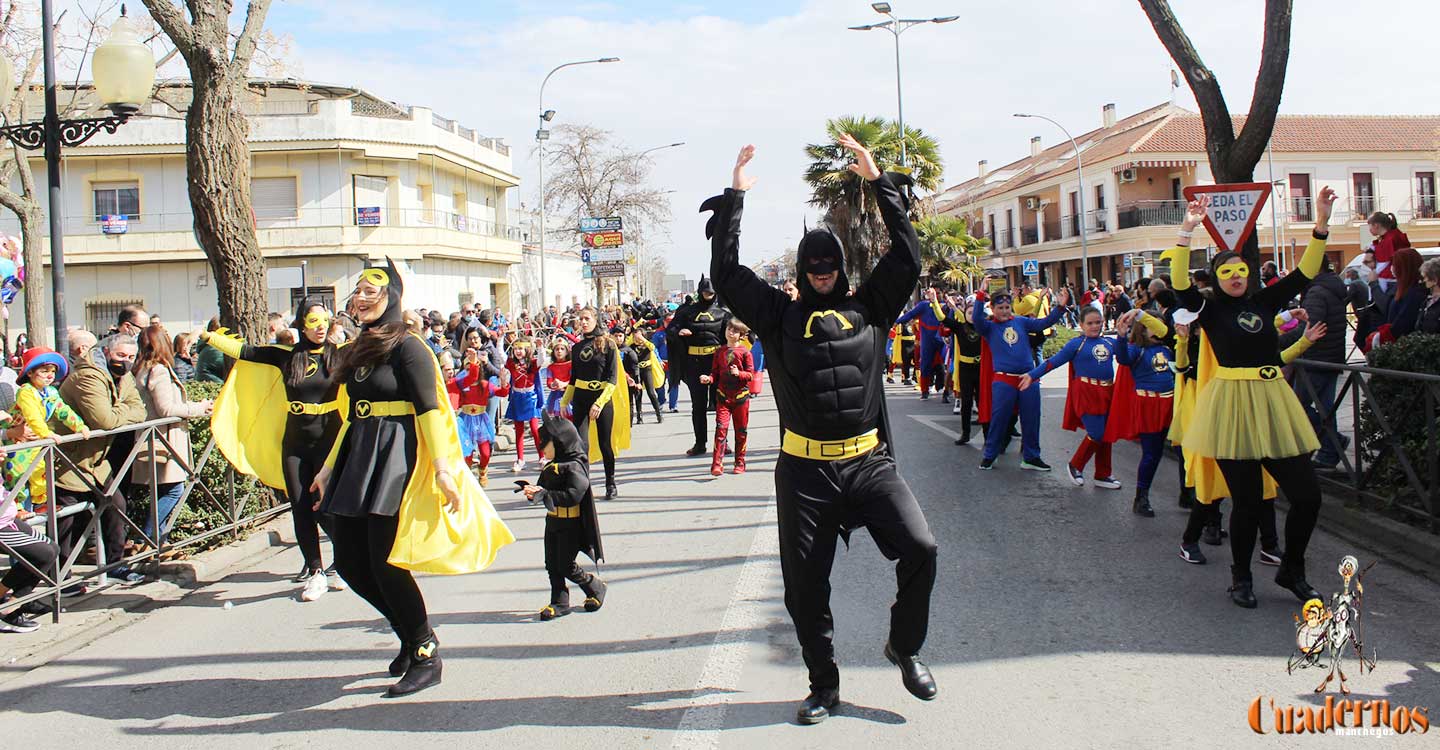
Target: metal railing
{"type": "Point", "coordinates": [1358, 471]}
{"type": "Point", "coordinates": [1427, 207]}
{"type": "Point", "coordinates": [1029, 235]}
{"type": "Point", "coordinates": [1151, 214]}
{"type": "Point", "coordinates": [150, 440]}
{"type": "Point", "coordinates": [302, 217]}
{"type": "Point", "coordinates": [1301, 209]}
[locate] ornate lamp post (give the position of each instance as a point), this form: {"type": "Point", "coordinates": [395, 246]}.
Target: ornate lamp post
{"type": "Point", "coordinates": [124, 71]}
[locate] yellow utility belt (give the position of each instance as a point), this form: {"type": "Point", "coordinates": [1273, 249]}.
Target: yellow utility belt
{"type": "Point", "coordinates": [368, 409]}
{"type": "Point", "coordinates": [744, 393]}
{"type": "Point", "coordinates": [589, 385]}
{"type": "Point", "coordinates": [1095, 381]}
{"type": "Point", "coordinates": [829, 450]}
{"type": "Point", "coordinates": [1155, 394]}
{"type": "Point", "coordinates": [565, 511]}
{"type": "Point", "coordinates": [967, 360]}
{"type": "Point", "coordinates": [302, 407]}
{"type": "Point", "coordinates": [696, 351]}
{"type": "Point", "coordinates": [1268, 372]}
{"type": "Point", "coordinates": [472, 409]}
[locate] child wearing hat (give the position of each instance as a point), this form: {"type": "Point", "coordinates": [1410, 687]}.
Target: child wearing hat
{"type": "Point", "coordinates": [36, 403]}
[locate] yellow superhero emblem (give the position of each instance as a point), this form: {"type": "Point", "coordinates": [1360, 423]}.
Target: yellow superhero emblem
{"type": "Point", "coordinates": [1269, 372]}
{"type": "Point", "coordinates": [845, 325]}
{"type": "Point", "coordinates": [1160, 362]}
{"type": "Point", "coordinates": [1011, 337]}
{"type": "Point", "coordinates": [312, 367]}
{"type": "Point", "coordinates": [296, 407]}
{"type": "Point", "coordinates": [1249, 322]}
{"type": "Point", "coordinates": [703, 316]}
{"type": "Point", "coordinates": [362, 409]}
{"type": "Point", "coordinates": [427, 650]}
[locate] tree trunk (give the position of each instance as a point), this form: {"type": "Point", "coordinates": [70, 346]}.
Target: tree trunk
{"type": "Point", "coordinates": [217, 156]}
{"type": "Point", "coordinates": [31, 227]}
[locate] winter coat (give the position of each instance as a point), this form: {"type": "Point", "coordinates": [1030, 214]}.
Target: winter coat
{"type": "Point", "coordinates": [164, 396]}
{"type": "Point", "coordinates": [1325, 300]}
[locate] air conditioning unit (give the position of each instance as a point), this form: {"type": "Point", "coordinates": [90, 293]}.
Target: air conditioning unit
{"type": "Point", "coordinates": [1127, 175]}
{"type": "Point", "coordinates": [1032, 204]}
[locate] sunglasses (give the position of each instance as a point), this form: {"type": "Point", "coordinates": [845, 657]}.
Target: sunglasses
{"type": "Point", "coordinates": [1232, 270]}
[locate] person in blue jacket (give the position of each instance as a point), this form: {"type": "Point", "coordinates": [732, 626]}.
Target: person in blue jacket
{"type": "Point", "coordinates": [930, 314]}
{"type": "Point", "coordinates": [1012, 356]}
{"type": "Point", "coordinates": [661, 340]}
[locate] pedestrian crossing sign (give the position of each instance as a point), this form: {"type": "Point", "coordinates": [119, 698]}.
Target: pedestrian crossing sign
{"type": "Point", "coordinates": [1030, 267]}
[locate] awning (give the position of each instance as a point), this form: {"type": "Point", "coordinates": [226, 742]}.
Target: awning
{"type": "Point", "coordinates": [1187, 163]}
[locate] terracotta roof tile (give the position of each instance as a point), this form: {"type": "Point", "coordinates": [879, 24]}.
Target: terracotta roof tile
{"type": "Point", "coordinates": [1311, 133]}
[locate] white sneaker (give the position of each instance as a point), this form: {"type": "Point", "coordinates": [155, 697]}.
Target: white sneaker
{"type": "Point", "coordinates": [336, 582]}
{"type": "Point", "coordinates": [315, 587]}
{"type": "Point", "coordinates": [956, 408]}
{"type": "Point", "coordinates": [1107, 483]}
{"type": "Point", "coordinates": [518, 466]}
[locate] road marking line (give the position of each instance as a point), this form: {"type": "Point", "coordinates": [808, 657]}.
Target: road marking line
{"type": "Point", "coordinates": [702, 722]}
{"type": "Point", "coordinates": [931, 422]}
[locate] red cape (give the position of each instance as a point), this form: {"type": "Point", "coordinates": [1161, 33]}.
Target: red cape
{"type": "Point", "coordinates": [987, 376]}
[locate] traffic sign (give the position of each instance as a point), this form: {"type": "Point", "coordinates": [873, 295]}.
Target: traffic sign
{"type": "Point", "coordinates": [585, 255]}
{"type": "Point", "coordinates": [1128, 262]}
{"type": "Point", "coordinates": [1231, 210]}
{"type": "Point", "coordinates": [1030, 267]}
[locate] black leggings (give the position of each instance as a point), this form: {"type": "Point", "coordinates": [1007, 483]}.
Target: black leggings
{"type": "Point", "coordinates": [29, 544]}
{"type": "Point", "coordinates": [1296, 478]}
{"type": "Point", "coordinates": [562, 546]}
{"type": "Point", "coordinates": [362, 548]}
{"type": "Point", "coordinates": [604, 427]}
{"type": "Point", "coordinates": [636, 395]}
{"type": "Point", "coordinates": [969, 375]}
{"type": "Point", "coordinates": [699, 405]}
{"type": "Point", "coordinates": [300, 470]}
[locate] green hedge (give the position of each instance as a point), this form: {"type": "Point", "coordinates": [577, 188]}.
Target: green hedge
{"type": "Point", "coordinates": [198, 515]}
{"type": "Point", "coordinates": [1402, 402]}
{"type": "Point", "coordinates": [1054, 343]}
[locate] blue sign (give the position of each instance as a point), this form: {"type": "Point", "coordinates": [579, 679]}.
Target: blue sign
{"type": "Point", "coordinates": [585, 255]}
{"type": "Point", "coordinates": [597, 224]}
{"type": "Point", "coordinates": [1030, 267]}
{"type": "Point", "coordinates": [1128, 263]}
{"type": "Point", "coordinates": [367, 216]}
{"type": "Point", "coordinates": [114, 223]}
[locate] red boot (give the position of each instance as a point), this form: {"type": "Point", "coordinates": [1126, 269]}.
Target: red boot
{"type": "Point", "coordinates": [740, 440]}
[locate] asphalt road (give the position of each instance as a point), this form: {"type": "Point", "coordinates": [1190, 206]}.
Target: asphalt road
{"type": "Point", "coordinates": [1060, 619]}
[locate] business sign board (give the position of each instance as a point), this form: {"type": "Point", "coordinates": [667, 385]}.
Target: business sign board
{"type": "Point", "coordinates": [1230, 210]}
{"type": "Point", "coordinates": [607, 254]}
{"type": "Point", "coordinates": [367, 216]}
{"type": "Point", "coordinates": [603, 239]}
{"type": "Point", "coordinates": [608, 269]}
{"type": "Point", "coordinates": [591, 224]}
{"type": "Point", "coordinates": [114, 224]}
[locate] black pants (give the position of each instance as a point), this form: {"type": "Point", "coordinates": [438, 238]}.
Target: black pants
{"type": "Point", "coordinates": [562, 546]}
{"type": "Point", "coordinates": [1201, 515]}
{"type": "Point", "coordinates": [604, 427]}
{"type": "Point", "coordinates": [969, 376]}
{"type": "Point", "coordinates": [700, 402]}
{"type": "Point", "coordinates": [300, 467]}
{"type": "Point", "coordinates": [637, 395]}
{"type": "Point", "coordinates": [29, 544]}
{"type": "Point", "coordinates": [112, 524]}
{"type": "Point", "coordinates": [816, 499]}
{"type": "Point", "coordinates": [362, 548]}
{"type": "Point", "coordinates": [1296, 478]}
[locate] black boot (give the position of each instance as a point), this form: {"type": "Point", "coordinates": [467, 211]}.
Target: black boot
{"type": "Point", "coordinates": [659, 418]}
{"type": "Point", "coordinates": [594, 593]}
{"type": "Point", "coordinates": [818, 705]}
{"type": "Point", "coordinates": [945, 397]}
{"type": "Point", "coordinates": [1242, 589]}
{"type": "Point", "coordinates": [401, 662]}
{"type": "Point", "coordinates": [914, 674]}
{"type": "Point", "coordinates": [697, 449]}
{"type": "Point", "coordinates": [1187, 497]}
{"type": "Point", "coordinates": [424, 669]}
{"type": "Point", "coordinates": [1291, 577]}
{"type": "Point", "coordinates": [554, 610]}
{"type": "Point", "coordinates": [963, 439]}
{"type": "Point", "coordinates": [1142, 504]}
{"type": "Point", "coordinates": [611, 491]}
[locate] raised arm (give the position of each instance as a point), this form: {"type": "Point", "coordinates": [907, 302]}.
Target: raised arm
{"type": "Point", "coordinates": [897, 273]}
{"type": "Point", "coordinates": [982, 323]}
{"type": "Point", "coordinates": [753, 301]}
{"type": "Point", "coordinates": [1066, 354]}
{"type": "Point", "coordinates": [912, 313]}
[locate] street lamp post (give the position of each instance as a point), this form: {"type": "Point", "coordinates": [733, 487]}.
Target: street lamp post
{"type": "Point", "coordinates": [898, 26]}
{"type": "Point", "coordinates": [541, 136]}
{"type": "Point", "coordinates": [1080, 176]}
{"type": "Point", "coordinates": [124, 71]}
{"type": "Point", "coordinates": [640, 282]}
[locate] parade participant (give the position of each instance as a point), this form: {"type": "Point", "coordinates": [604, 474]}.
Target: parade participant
{"type": "Point", "coordinates": [36, 403]}
{"type": "Point", "coordinates": [571, 523]}
{"type": "Point", "coordinates": [276, 419]}
{"type": "Point", "coordinates": [732, 370]}
{"type": "Point", "coordinates": [667, 347]}
{"type": "Point", "coordinates": [651, 374]}
{"type": "Point", "coordinates": [556, 375]}
{"type": "Point", "coordinates": [596, 394]}
{"type": "Point", "coordinates": [700, 329]}
{"type": "Point", "coordinates": [1010, 351]}
{"type": "Point", "coordinates": [1087, 399]}
{"type": "Point", "coordinates": [630, 364]}
{"type": "Point", "coordinates": [836, 471]}
{"type": "Point", "coordinates": [1247, 418]}
{"type": "Point", "coordinates": [477, 436]}
{"type": "Point", "coordinates": [965, 344]}
{"type": "Point", "coordinates": [1144, 396]}
{"type": "Point", "coordinates": [395, 482]}
{"type": "Point", "coordinates": [527, 396]}
{"type": "Point", "coordinates": [901, 351]}
{"type": "Point", "coordinates": [927, 316]}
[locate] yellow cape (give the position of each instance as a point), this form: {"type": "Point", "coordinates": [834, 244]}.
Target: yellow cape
{"type": "Point", "coordinates": [619, 436]}
{"type": "Point", "coordinates": [655, 371]}
{"type": "Point", "coordinates": [429, 539]}
{"type": "Point", "coordinates": [249, 417]}
{"type": "Point", "coordinates": [1202, 472]}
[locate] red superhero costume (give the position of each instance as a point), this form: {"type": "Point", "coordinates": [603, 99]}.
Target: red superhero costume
{"type": "Point", "coordinates": [732, 390]}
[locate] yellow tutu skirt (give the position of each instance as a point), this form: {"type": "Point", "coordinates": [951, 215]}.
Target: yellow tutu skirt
{"type": "Point", "coordinates": [1184, 408]}
{"type": "Point", "coordinates": [1249, 419]}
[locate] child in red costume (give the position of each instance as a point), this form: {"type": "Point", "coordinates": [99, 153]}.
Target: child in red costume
{"type": "Point", "coordinates": [469, 394]}
{"type": "Point", "coordinates": [527, 396]}
{"type": "Point", "coordinates": [731, 370]}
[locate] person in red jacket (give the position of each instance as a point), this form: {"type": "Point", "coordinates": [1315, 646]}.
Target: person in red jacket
{"type": "Point", "coordinates": [1388, 238]}
{"type": "Point", "coordinates": [731, 369]}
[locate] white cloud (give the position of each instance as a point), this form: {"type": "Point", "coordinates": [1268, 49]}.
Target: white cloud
{"type": "Point", "coordinates": [718, 84]}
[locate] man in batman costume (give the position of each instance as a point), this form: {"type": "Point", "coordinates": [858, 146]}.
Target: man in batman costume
{"type": "Point", "coordinates": [699, 326]}
{"type": "Point", "coordinates": [836, 471]}
{"type": "Point", "coordinates": [571, 524]}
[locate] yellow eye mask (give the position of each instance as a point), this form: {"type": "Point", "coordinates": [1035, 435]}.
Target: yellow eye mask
{"type": "Point", "coordinates": [317, 320]}
{"type": "Point", "coordinates": [1233, 270]}
{"type": "Point", "coordinates": [376, 276]}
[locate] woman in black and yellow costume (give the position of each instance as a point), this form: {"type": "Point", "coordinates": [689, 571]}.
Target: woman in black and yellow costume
{"type": "Point", "coordinates": [597, 396]}
{"type": "Point", "coordinates": [1247, 418]}
{"type": "Point", "coordinates": [276, 419]}
{"type": "Point", "coordinates": [652, 375]}
{"type": "Point", "coordinates": [396, 483]}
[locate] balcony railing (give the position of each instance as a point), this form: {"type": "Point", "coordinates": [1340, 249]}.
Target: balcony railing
{"type": "Point", "coordinates": [1151, 214]}
{"type": "Point", "coordinates": [1301, 210]}
{"type": "Point", "coordinates": [1361, 206]}
{"type": "Point", "coordinates": [1029, 235]}
{"type": "Point", "coordinates": [302, 218]}
{"type": "Point", "coordinates": [1427, 207]}
{"type": "Point", "coordinates": [1052, 230]}
{"type": "Point", "coordinates": [1098, 220]}
{"type": "Point", "coordinates": [1002, 239]}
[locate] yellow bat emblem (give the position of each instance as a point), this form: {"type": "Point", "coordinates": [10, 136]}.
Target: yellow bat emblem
{"type": "Point", "coordinates": [845, 325]}
{"type": "Point", "coordinates": [426, 651]}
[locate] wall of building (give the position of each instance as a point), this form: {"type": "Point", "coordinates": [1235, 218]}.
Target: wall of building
{"type": "Point", "coordinates": [564, 281]}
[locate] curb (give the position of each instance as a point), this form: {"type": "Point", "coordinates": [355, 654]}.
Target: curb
{"type": "Point", "coordinates": [213, 565]}
{"type": "Point", "coordinates": [1405, 546]}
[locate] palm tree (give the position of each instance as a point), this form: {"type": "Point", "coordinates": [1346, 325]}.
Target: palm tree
{"type": "Point", "coordinates": [947, 249]}
{"type": "Point", "coordinates": [849, 205]}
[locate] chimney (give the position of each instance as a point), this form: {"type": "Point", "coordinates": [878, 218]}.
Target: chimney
{"type": "Point", "coordinates": [984, 168]}
{"type": "Point", "coordinates": [1107, 115]}
{"type": "Point", "coordinates": [1035, 147]}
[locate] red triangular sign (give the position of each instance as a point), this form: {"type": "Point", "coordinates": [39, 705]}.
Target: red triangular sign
{"type": "Point", "coordinates": [1231, 210]}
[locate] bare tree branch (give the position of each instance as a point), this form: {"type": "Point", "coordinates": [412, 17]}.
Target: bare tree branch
{"type": "Point", "coordinates": [1269, 84]}
{"type": "Point", "coordinates": [1214, 112]}
{"type": "Point", "coordinates": [171, 21]}
{"type": "Point", "coordinates": [250, 35]}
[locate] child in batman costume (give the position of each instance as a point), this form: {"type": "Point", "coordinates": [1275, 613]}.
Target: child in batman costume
{"type": "Point", "coordinates": [835, 473]}
{"type": "Point", "coordinates": [276, 419]}
{"type": "Point", "coordinates": [700, 328]}
{"type": "Point", "coordinates": [598, 397]}
{"type": "Point", "coordinates": [571, 524]}
{"type": "Point", "coordinates": [396, 482]}
{"type": "Point", "coordinates": [965, 346]}
{"type": "Point", "coordinates": [651, 374]}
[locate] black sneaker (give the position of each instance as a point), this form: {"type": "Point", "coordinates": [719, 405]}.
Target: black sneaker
{"type": "Point", "coordinates": [18, 622]}
{"type": "Point", "coordinates": [1272, 556]}
{"type": "Point", "coordinates": [962, 440]}
{"type": "Point", "coordinates": [1211, 535]}
{"type": "Point", "coordinates": [1191, 553]}
{"type": "Point", "coordinates": [304, 575]}
{"type": "Point", "coordinates": [1107, 483]}
{"type": "Point", "coordinates": [987, 464]}
{"type": "Point", "coordinates": [1034, 464]}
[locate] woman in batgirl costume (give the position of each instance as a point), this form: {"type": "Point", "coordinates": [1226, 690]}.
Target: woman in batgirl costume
{"type": "Point", "coordinates": [598, 397]}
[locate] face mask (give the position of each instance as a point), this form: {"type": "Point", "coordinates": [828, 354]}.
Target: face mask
{"type": "Point", "coordinates": [118, 368]}
{"type": "Point", "coordinates": [318, 320]}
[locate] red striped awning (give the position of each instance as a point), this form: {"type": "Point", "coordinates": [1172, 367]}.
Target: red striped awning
{"type": "Point", "coordinates": [1187, 163]}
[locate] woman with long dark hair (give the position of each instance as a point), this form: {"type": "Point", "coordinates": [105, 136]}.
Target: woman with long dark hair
{"type": "Point", "coordinates": [395, 484]}
{"type": "Point", "coordinates": [277, 418]}
{"type": "Point", "coordinates": [164, 396]}
{"type": "Point", "coordinates": [601, 406]}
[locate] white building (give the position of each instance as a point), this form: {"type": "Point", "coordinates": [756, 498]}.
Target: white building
{"type": "Point", "coordinates": [340, 179]}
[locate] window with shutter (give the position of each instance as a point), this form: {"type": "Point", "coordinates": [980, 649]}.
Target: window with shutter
{"type": "Point", "coordinates": [116, 199]}
{"type": "Point", "coordinates": [275, 198]}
